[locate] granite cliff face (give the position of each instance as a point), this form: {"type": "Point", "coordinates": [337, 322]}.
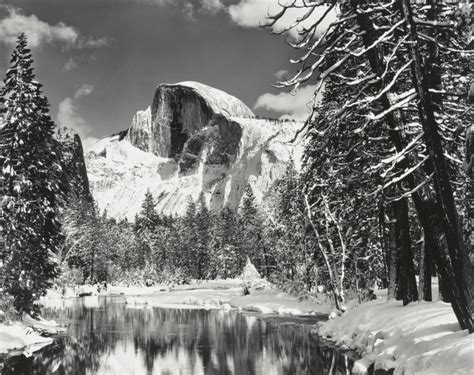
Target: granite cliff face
{"type": "Point", "coordinates": [73, 163]}
{"type": "Point", "coordinates": [192, 139]}
{"type": "Point", "coordinates": [177, 112]}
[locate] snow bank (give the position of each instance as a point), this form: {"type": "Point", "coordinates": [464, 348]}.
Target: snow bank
{"type": "Point", "coordinates": [264, 301]}
{"type": "Point", "coordinates": [421, 338]}
{"type": "Point", "coordinates": [27, 336]}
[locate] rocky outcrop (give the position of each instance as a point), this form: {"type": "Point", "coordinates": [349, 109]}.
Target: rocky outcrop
{"type": "Point", "coordinates": [140, 134]}
{"type": "Point", "coordinates": [192, 140]}
{"type": "Point", "coordinates": [73, 163]}
{"type": "Point", "coordinates": [179, 111]}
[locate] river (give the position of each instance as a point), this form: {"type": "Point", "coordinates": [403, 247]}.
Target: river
{"type": "Point", "coordinates": [106, 336]}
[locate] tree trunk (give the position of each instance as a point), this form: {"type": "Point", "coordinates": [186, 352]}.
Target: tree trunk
{"type": "Point", "coordinates": [469, 204]}
{"type": "Point", "coordinates": [333, 279]}
{"type": "Point", "coordinates": [384, 245]}
{"type": "Point", "coordinates": [407, 268]}
{"type": "Point", "coordinates": [392, 262]}
{"type": "Point", "coordinates": [444, 293]}
{"type": "Point", "coordinates": [425, 267]}
{"type": "Point", "coordinates": [461, 294]}
{"type": "Point", "coordinates": [427, 271]}
{"type": "Point", "coordinates": [421, 271]}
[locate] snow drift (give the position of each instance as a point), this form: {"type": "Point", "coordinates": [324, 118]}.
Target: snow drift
{"type": "Point", "coordinates": [421, 338]}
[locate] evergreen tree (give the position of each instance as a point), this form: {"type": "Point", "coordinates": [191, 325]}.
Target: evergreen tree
{"type": "Point", "coordinates": [295, 259]}
{"type": "Point", "coordinates": [145, 228]}
{"type": "Point", "coordinates": [189, 237]}
{"type": "Point", "coordinates": [203, 225]}
{"type": "Point", "coordinates": [31, 184]}
{"type": "Point", "coordinates": [252, 226]}
{"type": "Point", "coordinates": [226, 239]}
{"type": "Point", "coordinates": [84, 237]}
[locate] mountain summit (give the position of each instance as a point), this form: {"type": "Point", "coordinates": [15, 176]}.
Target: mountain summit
{"type": "Point", "coordinates": [192, 139]}
{"type": "Point", "coordinates": [178, 111]}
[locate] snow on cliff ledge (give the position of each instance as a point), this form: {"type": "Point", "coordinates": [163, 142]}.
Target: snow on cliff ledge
{"type": "Point", "coordinates": [220, 101]}
{"type": "Point", "coordinates": [192, 139]}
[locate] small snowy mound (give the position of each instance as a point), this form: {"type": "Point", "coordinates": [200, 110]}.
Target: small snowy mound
{"type": "Point", "coordinates": [251, 278]}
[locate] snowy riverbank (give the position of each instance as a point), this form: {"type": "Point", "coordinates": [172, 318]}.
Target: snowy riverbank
{"type": "Point", "coordinates": [421, 338]}
{"type": "Point", "coordinates": [262, 302]}
{"type": "Point", "coordinates": [26, 336]}
{"type": "Point", "coordinates": [214, 294]}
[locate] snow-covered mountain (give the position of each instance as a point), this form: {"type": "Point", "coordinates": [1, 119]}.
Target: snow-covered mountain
{"type": "Point", "coordinates": [192, 139]}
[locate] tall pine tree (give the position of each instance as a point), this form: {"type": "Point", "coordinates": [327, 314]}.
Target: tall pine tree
{"type": "Point", "coordinates": [204, 224]}
{"type": "Point", "coordinates": [252, 241]}
{"type": "Point", "coordinates": [31, 187]}
{"type": "Point", "coordinates": [145, 228]}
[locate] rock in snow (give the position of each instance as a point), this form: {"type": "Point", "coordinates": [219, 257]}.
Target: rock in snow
{"type": "Point", "coordinates": [192, 139]}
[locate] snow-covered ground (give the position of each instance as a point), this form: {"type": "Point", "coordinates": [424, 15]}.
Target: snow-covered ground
{"type": "Point", "coordinates": [212, 294]}
{"type": "Point", "coordinates": [421, 338]}
{"type": "Point", "coordinates": [25, 337]}
{"type": "Point", "coordinates": [262, 302]}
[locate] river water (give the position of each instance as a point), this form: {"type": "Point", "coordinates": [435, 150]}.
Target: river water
{"type": "Point", "coordinates": [106, 336]}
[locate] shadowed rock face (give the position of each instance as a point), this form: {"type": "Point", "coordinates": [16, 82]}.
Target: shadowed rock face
{"type": "Point", "coordinates": [177, 113]}
{"type": "Point", "coordinates": [221, 139]}
{"type": "Point", "coordinates": [73, 163]}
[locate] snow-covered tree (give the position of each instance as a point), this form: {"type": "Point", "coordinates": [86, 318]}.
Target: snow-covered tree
{"type": "Point", "coordinates": [31, 184]}
{"type": "Point", "coordinates": [146, 223]}
{"type": "Point", "coordinates": [226, 239]}
{"type": "Point", "coordinates": [203, 245]}
{"type": "Point", "coordinates": [252, 246]}
{"type": "Point", "coordinates": [384, 58]}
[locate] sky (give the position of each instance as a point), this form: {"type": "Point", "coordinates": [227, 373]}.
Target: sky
{"type": "Point", "coordinates": [101, 60]}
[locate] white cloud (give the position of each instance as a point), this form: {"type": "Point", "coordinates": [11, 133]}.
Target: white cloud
{"type": "Point", "coordinates": [289, 105]}
{"type": "Point", "coordinates": [68, 116]}
{"type": "Point", "coordinates": [254, 13]}
{"type": "Point", "coordinates": [71, 64]}
{"type": "Point", "coordinates": [84, 90]}
{"type": "Point", "coordinates": [282, 74]}
{"type": "Point", "coordinates": [188, 10]}
{"type": "Point", "coordinates": [14, 22]}
{"type": "Point", "coordinates": [188, 7]}
{"type": "Point", "coordinates": [212, 6]}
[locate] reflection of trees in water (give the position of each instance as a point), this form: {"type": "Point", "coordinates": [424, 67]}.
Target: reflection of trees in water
{"type": "Point", "coordinates": [221, 342]}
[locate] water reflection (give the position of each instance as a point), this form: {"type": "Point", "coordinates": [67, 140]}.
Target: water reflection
{"type": "Point", "coordinates": [107, 337]}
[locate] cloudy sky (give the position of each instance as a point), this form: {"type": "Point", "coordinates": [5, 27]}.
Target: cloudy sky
{"type": "Point", "coordinates": [100, 60]}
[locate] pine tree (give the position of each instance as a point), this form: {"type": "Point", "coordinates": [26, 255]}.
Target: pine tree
{"type": "Point", "coordinates": [31, 184]}
{"type": "Point", "coordinates": [252, 243]}
{"type": "Point", "coordinates": [148, 214]}
{"type": "Point", "coordinates": [146, 224]}
{"type": "Point", "coordinates": [226, 240]}
{"type": "Point", "coordinates": [203, 224]}
{"type": "Point", "coordinates": [188, 235]}
{"type": "Point", "coordinates": [292, 250]}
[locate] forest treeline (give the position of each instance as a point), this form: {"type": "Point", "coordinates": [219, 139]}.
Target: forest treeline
{"type": "Point", "coordinates": [202, 244]}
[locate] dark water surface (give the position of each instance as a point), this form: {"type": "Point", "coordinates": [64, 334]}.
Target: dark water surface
{"type": "Point", "coordinates": [105, 336]}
